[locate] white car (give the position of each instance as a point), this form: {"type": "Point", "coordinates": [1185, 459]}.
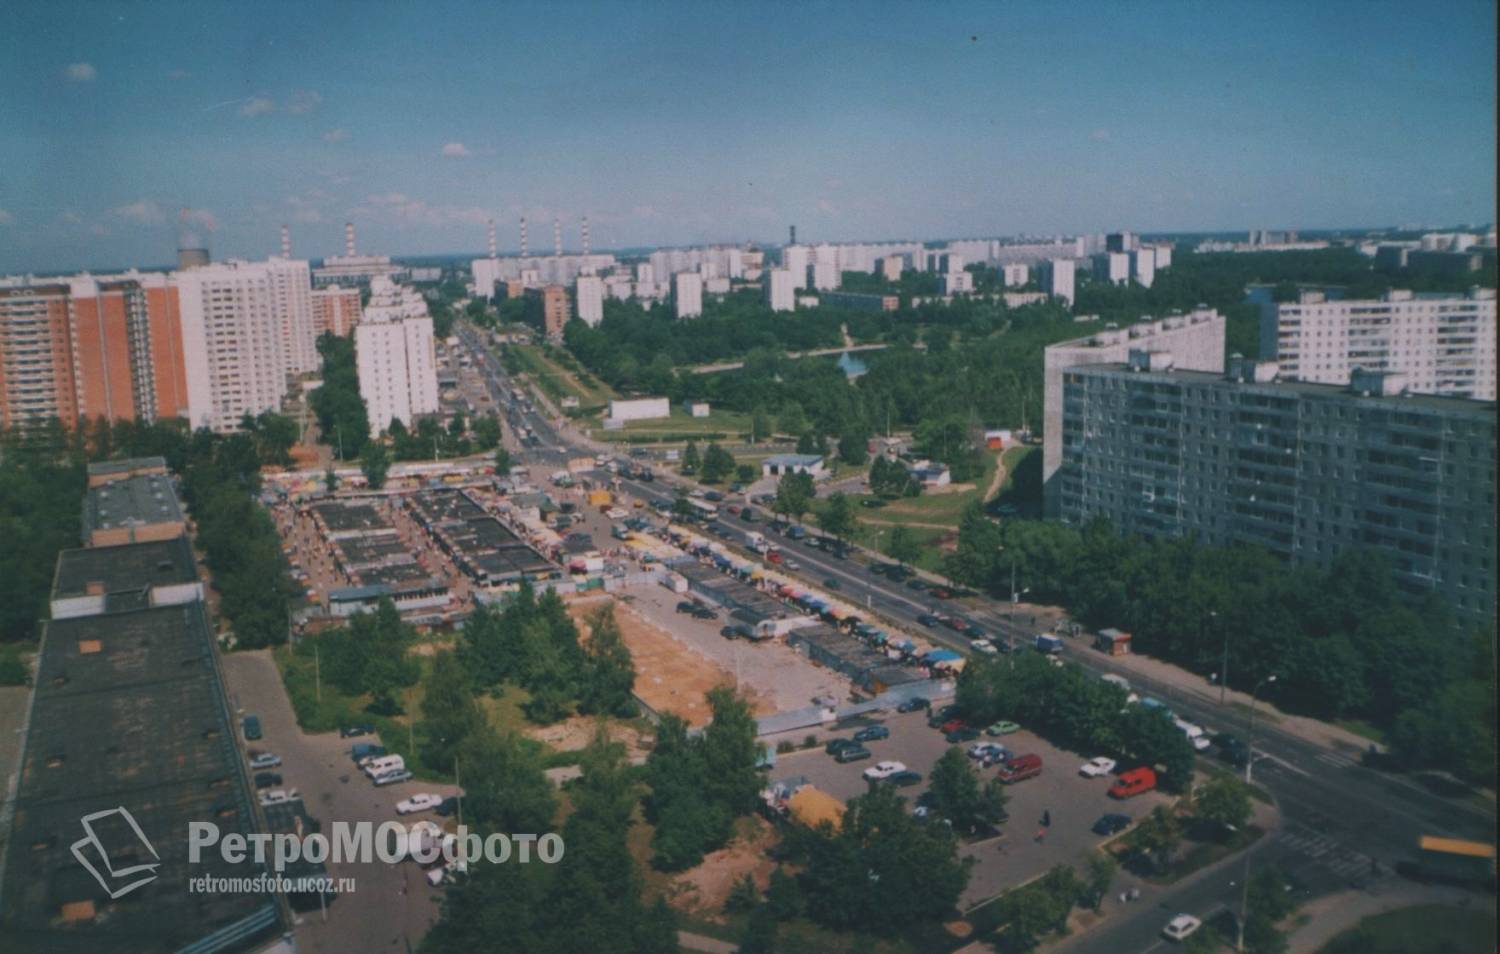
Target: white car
{"type": "Point", "coordinates": [264, 760]}
{"type": "Point", "coordinates": [986, 750]}
{"type": "Point", "coordinates": [617, 513]}
{"type": "Point", "coordinates": [1202, 743]}
{"type": "Point", "coordinates": [1181, 927]}
{"type": "Point", "coordinates": [884, 770]}
{"type": "Point", "coordinates": [420, 802]}
{"type": "Point", "coordinates": [1097, 768]}
{"type": "Point", "coordinates": [278, 796]}
{"type": "Point", "coordinates": [984, 646]}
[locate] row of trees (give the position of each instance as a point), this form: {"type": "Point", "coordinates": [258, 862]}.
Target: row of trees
{"type": "Point", "coordinates": [533, 643]}
{"type": "Point", "coordinates": [1343, 641]}
{"type": "Point", "coordinates": [1075, 711]}
{"type": "Point", "coordinates": [713, 466]}
{"type": "Point", "coordinates": [700, 783]}
{"type": "Point", "coordinates": [368, 657]}
{"type": "Point", "coordinates": [341, 412]}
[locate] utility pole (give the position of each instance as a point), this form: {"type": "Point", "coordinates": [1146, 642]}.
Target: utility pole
{"type": "Point", "coordinates": [1224, 663]}
{"type": "Point", "coordinates": [317, 675]}
{"type": "Point", "coordinates": [1239, 944]}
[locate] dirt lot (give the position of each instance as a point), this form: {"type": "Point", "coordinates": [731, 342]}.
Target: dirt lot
{"type": "Point", "coordinates": [671, 675]}
{"type": "Point", "coordinates": [704, 889]}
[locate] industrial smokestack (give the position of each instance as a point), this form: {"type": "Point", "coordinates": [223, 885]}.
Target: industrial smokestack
{"type": "Point", "coordinates": [557, 237]}
{"type": "Point", "coordinates": [192, 250]}
{"type": "Point", "coordinates": [794, 236]}
{"type": "Point", "coordinates": [585, 235]}
{"type": "Point", "coordinates": [286, 242]}
{"type": "Point", "coordinates": [349, 239]}
{"type": "Point", "coordinates": [492, 238]}
{"type": "Point", "coordinates": [525, 251]}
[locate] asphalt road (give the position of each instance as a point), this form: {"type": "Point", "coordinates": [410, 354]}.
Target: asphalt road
{"type": "Point", "coordinates": [1338, 815]}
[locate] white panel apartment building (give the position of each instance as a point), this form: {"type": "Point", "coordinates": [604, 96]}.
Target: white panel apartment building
{"type": "Point", "coordinates": [687, 294]}
{"type": "Point", "coordinates": [233, 339]}
{"type": "Point", "coordinates": [291, 280]}
{"type": "Point", "coordinates": [781, 294]}
{"type": "Point", "coordinates": [1443, 344]}
{"type": "Point", "coordinates": [394, 356]}
{"type": "Point", "coordinates": [589, 295]}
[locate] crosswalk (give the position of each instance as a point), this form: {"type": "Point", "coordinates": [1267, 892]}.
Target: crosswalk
{"type": "Point", "coordinates": [1337, 760]}
{"type": "Point", "coordinates": [1326, 851]}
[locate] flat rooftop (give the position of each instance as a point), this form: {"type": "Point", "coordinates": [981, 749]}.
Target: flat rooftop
{"type": "Point", "coordinates": [132, 566]}
{"type": "Point", "coordinates": [342, 517]}
{"type": "Point", "coordinates": [128, 713]}
{"type": "Point", "coordinates": [130, 465]}
{"type": "Point", "coordinates": [138, 501]}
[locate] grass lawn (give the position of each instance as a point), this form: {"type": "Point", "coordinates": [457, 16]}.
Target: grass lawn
{"type": "Point", "coordinates": [1426, 929]}
{"type": "Point", "coordinates": [927, 538]}
{"type": "Point", "coordinates": [932, 508]}
{"type": "Point", "coordinates": [1364, 729]}
{"type": "Point", "coordinates": [729, 423]}
{"type": "Point", "coordinates": [560, 382]}
{"type": "Point", "coordinates": [1192, 856]}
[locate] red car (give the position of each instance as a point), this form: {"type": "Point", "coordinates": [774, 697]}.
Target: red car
{"type": "Point", "coordinates": [940, 593]}
{"type": "Point", "coordinates": [952, 725]}
{"type": "Point", "coordinates": [1133, 783]}
{"type": "Point", "coordinates": [956, 623]}
{"type": "Point", "coordinates": [1020, 767]}
{"type": "Point", "coordinates": [774, 556]}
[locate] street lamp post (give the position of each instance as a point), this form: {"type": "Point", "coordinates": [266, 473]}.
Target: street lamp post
{"type": "Point", "coordinates": [1239, 944]}
{"type": "Point", "coordinates": [1213, 616]}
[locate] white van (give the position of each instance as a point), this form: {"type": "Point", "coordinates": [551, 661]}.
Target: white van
{"type": "Point", "coordinates": [384, 764]}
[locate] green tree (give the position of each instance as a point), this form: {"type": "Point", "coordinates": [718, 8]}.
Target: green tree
{"type": "Point", "coordinates": [375, 464]}
{"type": "Point", "coordinates": [502, 461]}
{"type": "Point", "coordinates": [505, 784]}
{"type": "Point", "coordinates": [1157, 836]}
{"type": "Point", "coordinates": [449, 710]}
{"type": "Point", "coordinates": [690, 460]}
{"type": "Point", "coordinates": [854, 443]}
{"type": "Point", "coordinates": [836, 516]}
{"type": "Point", "coordinates": [760, 426]}
{"type": "Point", "coordinates": [959, 796]}
{"type": "Point", "coordinates": [902, 546]}
{"type": "Point", "coordinates": [330, 480]}
{"type": "Point", "coordinates": [609, 675]}
{"type": "Point", "coordinates": [1223, 800]}
{"type": "Point", "coordinates": [794, 495]}
{"type": "Point", "coordinates": [1101, 874]}
{"type": "Point", "coordinates": [487, 431]}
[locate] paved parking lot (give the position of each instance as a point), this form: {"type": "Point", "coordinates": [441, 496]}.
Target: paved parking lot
{"type": "Point", "coordinates": [1073, 801]}
{"type": "Point", "coordinates": [778, 674]}
{"type": "Point", "coordinates": [392, 905]}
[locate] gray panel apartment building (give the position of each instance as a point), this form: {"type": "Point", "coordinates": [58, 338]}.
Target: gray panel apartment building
{"type": "Point", "coordinates": [1304, 470]}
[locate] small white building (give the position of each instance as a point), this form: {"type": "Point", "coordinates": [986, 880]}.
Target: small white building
{"type": "Point", "coordinates": [639, 409]}
{"type": "Point", "coordinates": [778, 465]}
{"type": "Point", "coordinates": [697, 408]}
{"type": "Point", "coordinates": [931, 474]}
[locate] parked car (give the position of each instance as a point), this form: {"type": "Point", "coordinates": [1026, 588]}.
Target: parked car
{"type": "Point", "coordinates": [392, 777]}
{"type": "Point", "coordinates": [700, 611]}
{"type": "Point", "coordinates": [883, 770]}
{"type": "Point", "coordinates": [1133, 782]}
{"type": "Point", "coordinates": [903, 779]}
{"type": "Point", "coordinates": [1110, 824]}
{"type": "Point", "coordinates": [263, 760]}
{"type": "Point", "coordinates": [737, 631]}
{"type": "Point", "coordinates": [1002, 727]}
{"type": "Point", "coordinates": [1019, 768]}
{"type": "Point", "coordinates": [831, 583]}
{"type": "Point", "coordinates": [420, 802]}
{"type": "Point", "coordinates": [951, 725]}
{"type": "Point", "coordinates": [251, 726]}
{"type": "Point", "coordinates": [267, 779]}
{"type": "Point", "coordinates": [1097, 767]}
{"type": "Point", "coordinates": [871, 733]}
{"type": "Point", "coordinates": [984, 646]}
{"type": "Point", "coordinates": [851, 753]}
{"type": "Point", "coordinates": [913, 704]}
{"type": "Point", "coordinates": [366, 750]}
{"type": "Point", "coordinates": [980, 751]}
{"type": "Point", "coordinates": [355, 731]}
{"type": "Point", "coordinates": [945, 714]}
{"type": "Point", "coordinates": [835, 746]}
{"type": "Point", "coordinates": [940, 593]}
{"type": "Point", "coordinates": [961, 734]}
{"type": "Point", "coordinates": [1181, 927]}
{"type": "Point", "coordinates": [447, 806]}
{"type": "Point", "coordinates": [956, 623]}
{"type": "Point", "coordinates": [278, 796]}
{"type": "Point", "coordinates": [686, 606]}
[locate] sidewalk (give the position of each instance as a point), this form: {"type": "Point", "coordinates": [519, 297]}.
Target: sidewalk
{"type": "Point", "coordinates": [1323, 919]}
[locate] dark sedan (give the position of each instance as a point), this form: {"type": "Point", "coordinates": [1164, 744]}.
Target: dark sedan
{"type": "Point", "coordinates": [1111, 824]}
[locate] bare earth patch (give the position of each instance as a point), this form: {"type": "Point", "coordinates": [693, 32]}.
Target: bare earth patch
{"type": "Point", "coordinates": [572, 734]}
{"type": "Point", "coordinates": [704, 889]}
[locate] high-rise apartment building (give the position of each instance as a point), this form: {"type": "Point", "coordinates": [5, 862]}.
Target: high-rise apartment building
{"type": "Point", "coordinates": [589, 293]}
{"type": "Point", "coordinates": [1143, 266]}
{"type": "Point", "coordinates": [795, 259]}
{"type": "Point", "coordinates": [825, 276]}
{"type": "Point", "coordinates": [548, 307]}
{"type": "Point", "coordinates": [335, 310]}
{"type": "Point", "coordinates": [291, 282]}
{"type": "Point", "coordinates": [891, 267]}
{"type": "Point", "coordinates": [687, 294]}
{"type": "Point", "coordinates": [1056, 278]}
{"type": "Point", "coordinates": [1015, 274]}
{"type": "Point", "coordinates": [1112, 267]}
{"type": "Point", "coordinates": [1307, 471]}
{"type": "Point", "coordinates": [1195, 339]}
{"type": "Point", "coordinates": [1444, 344]}
{"type": "Point", "coordinates": [781, 293]}
{"type": "Point", "coordinates": [233, 341]}
{"type": "Point", "coordinates": [89, 347]}
{"type": "Point", "coordinates": [394, 356]}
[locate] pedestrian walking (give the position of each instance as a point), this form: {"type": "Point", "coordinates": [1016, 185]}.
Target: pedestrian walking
{"type": "Point", "coordinates": [1041, 835]}
{"type": "Point", "coordinates": [1046, 819]}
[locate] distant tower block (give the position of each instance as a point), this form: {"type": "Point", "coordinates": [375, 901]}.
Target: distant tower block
{"type": "Point", "coordinates": [349, 239]}
{"type": "Point", "coordinates": [192, 250]}
{"type": "Point", "coordinates": [524, 250]}
{"type": "Point", "coordinates": [286, 242]}
{"type": "Point", "coordinates": [557, 237]}
{"type": "Point", "coordinates": [585, 235]}
{"type": "Point", "coordinates": [492, 239]}
{"type": "Point", "coordinates": [794, 236]}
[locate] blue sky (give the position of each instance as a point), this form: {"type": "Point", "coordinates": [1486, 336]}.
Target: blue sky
{"type": "Point", "coordinates": [678, 123]}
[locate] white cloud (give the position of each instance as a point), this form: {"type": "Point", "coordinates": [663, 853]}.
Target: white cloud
{"type": "Point", "coordinates": [307, 215]}
{"type": "Point", "coordinates": [6, 218]}
{"type": "Point", "coordinates": [71, 217]}
{"type": "Point", "coordinates": [1100, 135]}
{"type": "Point", "coordinates": [257, 106]}
{"type": "Point", "coordinates": [142, 212]}
{"type": "Point", "coordinates": [456, 150]}
{"type": "Point", "coordinates": [99, 228]}
{"type": "Point", "coordinates": [417, 212]}
{"type": "Point", "coordinates": [336, 135]}
{"type": "Point", "coordinates": [303, 101]}
{"type": "Point", "coordinates": [81, 73]}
